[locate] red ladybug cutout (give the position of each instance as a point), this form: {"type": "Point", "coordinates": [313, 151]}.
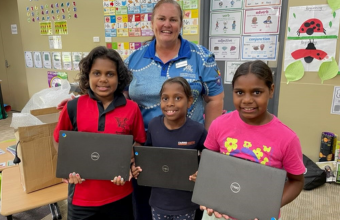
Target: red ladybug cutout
{"type": "Point", "coordinates": [309, 53]}
{"type": "Point", "coordinates": [310, 26]}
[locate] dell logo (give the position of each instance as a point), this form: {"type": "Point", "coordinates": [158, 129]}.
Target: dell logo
{"type": "Point", "coordinates": [235, 187]}
{"type": "Point", "coordinates": [95, 156]}
{"type": "Point", "coordinates": [165, 168]}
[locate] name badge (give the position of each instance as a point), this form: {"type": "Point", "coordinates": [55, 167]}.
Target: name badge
{"type": "Point", "coordinates": [181, 64]}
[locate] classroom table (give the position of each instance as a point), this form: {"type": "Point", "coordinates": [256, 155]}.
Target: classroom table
{"type": "Point", "coordinates": [15, 200]}
{"type": "Point", "coordinates": [4, 158]}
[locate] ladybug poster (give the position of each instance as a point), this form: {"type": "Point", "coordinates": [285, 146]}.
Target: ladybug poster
{"type": "Point", "coordinates": [312, 52]}
{"type": "Point", "coordinates": [313, 21]}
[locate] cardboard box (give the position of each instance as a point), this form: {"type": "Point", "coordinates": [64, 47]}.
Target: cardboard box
{"type": "Point", "coordinates": [37, 153]}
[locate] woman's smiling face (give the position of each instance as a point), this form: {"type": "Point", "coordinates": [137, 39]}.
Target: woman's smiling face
{"type": "Point", "coordinates": [166, 23]}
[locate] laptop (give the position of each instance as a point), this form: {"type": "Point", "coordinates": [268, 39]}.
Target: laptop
{"type": "Point", "coordinates": [166, 167]}
{"type": "Point", "coordinates": [94, 155]}
{"type": "Point", "coordinates": [239, 188]}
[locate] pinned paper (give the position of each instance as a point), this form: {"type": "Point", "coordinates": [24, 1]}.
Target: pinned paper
{"type": "Point", "coordinates": [328, 70]}
{"type": "Point", "coordinates": [294, 71]}
{"type": "Point", "coordinates": [334, 4]}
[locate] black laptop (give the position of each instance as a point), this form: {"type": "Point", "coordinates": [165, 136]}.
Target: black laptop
{"type": "Point", "coordinates": [239, 188]}
{"type": "Point", "coordinates": [166, 167]}
{"type": "Point", "coordinates": [94, 155]}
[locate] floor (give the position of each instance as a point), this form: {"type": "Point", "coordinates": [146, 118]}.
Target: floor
{"type": "Point", "coordinates": [322, 203]}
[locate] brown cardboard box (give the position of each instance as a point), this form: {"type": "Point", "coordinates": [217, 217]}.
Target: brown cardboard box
{"type": "Point", "coordinates": [37, 153]}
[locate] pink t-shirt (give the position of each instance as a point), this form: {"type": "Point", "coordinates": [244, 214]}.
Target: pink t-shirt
{"type": "Point", "coordinates": [272, 144]}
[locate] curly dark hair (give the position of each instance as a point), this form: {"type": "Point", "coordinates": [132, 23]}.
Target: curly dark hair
{"type": "Point", "coordinates": [85, 65]}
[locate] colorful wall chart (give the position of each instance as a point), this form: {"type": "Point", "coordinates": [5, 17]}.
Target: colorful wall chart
{"type": "Point", "coordinates": [225, 4]}
{"type": "Point", "coordinates": [259, 47]}
{"type": "Point", "coordinates": [261, 21]}
{"type": "Point", "coordinates": [261, 3]}
{"type": "Point", "coordinates": [225, 23]}
{"type": "Point", "coordinates": [225, 48]}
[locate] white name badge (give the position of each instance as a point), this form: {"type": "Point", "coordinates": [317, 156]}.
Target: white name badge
{"type": "Point", "coordinates": [181, 64]}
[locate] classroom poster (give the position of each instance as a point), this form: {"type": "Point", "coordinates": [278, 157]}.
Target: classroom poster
{"type": "Point", "coordinates": [45, 28]}
{"type": "Point", "coordinates": [261, 21]}
{"type": "Point", "coordinates": [56, 60]}
{"type": "Point", "coordinates": [225, 48]}
{"type": "Point", "coordinates": [190, 22]}
{"type": "Point", "coordinates": [190, 4]}
{"type": "Point", "coordinates": [123, 48]}
{"type": "Point", "coordinates": [60, 27]}
{"type": "Point", "coordinates": [225, 4]}
{"type": "Point", "coordinates": [76, 57]}
{"type": "Point", "coordinates": [225, 23]}
{"type": "Point", "coordinates": [54, 78]}
{"type": "Point", "coordinates": [261, 3]}
{"type": "Point", "coordinates": [37, 59]}
{"type": "Point", "coordinates": [312, 52]}
{"type": "Point", "coordinates": [146, 25]}
{"type": "Point", "coordinates": [134, 25]}
{"type": "Point", "coordinates": [67, 60]}
{"type": "Point", "coordinates": [259, 47]}
{"type": "Point", "coordinates": [335, 109]}
{"type": "Point", "coordinates": [313, 22]}
{"type": "Point", "coordinates": [28, 59]}
{"type": "Point", "coordinates": [47, 60]}
{"type": "Point", "coordinates": [229, 71]}
{"type": "Point", "coordinates": [55, 42]}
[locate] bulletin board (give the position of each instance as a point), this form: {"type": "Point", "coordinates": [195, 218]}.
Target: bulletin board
{"type": "Point", "coordinates": [306, 105]}
{"type": "Point", "coordinates": [57, 34]}
{"type": "Point", "coordinates": [242, 30]}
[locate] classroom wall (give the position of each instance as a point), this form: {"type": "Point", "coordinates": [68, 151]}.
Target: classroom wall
{"type": "Point", "coordinates": [305, 105]}
{"type": "Point", "coordinates": [89, 24]}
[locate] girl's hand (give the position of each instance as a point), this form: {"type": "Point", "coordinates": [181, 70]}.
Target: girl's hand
{"type": "Point", "coordinates": [63, 103]}
{"type": "Point", "coordinates": [193, 177]}
{"type": "Point", "coordinates": [74, 178]}
{"type": "Point", "coordinates": [119, 181]}
{"type": "Point", "coordinates": [217, 214]}
{"type": "Point", "coordinates": [135, 170]}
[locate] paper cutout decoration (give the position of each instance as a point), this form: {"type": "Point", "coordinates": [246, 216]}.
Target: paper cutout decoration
{"type": "Point", "coordinates": [328, 70]}
{"type": "Point", "coordinates": [294, 71]}
{"type": "Point", "coordinates": [309, 54]}
{"type": "Point", "coordinates": [334, 4]}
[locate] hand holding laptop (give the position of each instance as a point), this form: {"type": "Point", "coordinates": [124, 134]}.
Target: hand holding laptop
{"type": "Point", "coordinates": [217, 214]}
{"type": "Point", "coordinates": [193, 177]}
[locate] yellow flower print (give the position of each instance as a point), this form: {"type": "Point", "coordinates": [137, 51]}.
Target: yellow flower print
{"type": "Point", "coordinates": [265, 160]}
{"type": "Point", "coordinates": [247, 144]}
{"type": "Point", "coordinates": [266, 149]}
{"type": "Point", "coordinates": [231, 144]}
{"type": "Point", "coordinates": [258, 153]}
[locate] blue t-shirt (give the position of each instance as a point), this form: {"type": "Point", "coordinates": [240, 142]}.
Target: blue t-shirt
{"type": "Point", "coordinates": [194, 63]}
{"type": "Point", "coordinates": [171, 201]}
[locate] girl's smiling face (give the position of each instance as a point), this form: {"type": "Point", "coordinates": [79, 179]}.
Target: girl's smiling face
{"type": "Point", "coordinates": [251, 96]}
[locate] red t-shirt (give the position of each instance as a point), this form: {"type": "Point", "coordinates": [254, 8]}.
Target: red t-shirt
{"type": "Point", "coordinates": [87, 114]}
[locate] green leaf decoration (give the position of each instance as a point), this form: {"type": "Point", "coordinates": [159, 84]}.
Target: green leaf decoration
{"type": "Point", "coordinates": [334, 14]}
{"type": "Point", "coordinates": [330, 24]}
{"type": "Point", "coordinates": [294, 15]}
{"type": "Point", "coordinates": [334, 4]}
{"type": "Point", "coordinates": [294, 71]}
{"type": "Point", "coordinates": [288, 29]}
{"type": "Point", "coordinates": [328, 70]}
